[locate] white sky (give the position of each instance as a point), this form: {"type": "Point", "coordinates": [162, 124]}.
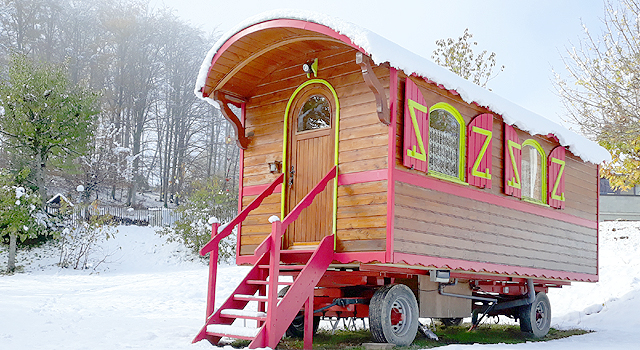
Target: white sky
{"type": "Point", "coordinates": [529, 37]}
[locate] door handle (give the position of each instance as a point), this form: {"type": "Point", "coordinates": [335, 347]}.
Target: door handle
{"type": "Point", "coordinates": [291, 173]}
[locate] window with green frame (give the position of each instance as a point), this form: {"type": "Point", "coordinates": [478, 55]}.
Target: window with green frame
{"type": "Point", "coordinates": [447, 133]}
{"type": "Point", "coordinates": [534, 172]}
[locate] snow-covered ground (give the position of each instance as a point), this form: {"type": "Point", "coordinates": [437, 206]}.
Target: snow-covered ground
{"type": "Point", "coordinates": [150, 294]}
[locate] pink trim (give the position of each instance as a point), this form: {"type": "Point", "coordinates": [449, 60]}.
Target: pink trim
{"type": "Point", "coordinates": [598, 218]}
{"type": "Point", "coordinates": [243, 111]}
{"type": "Point", "coordinates": [391, 162]}
{"type": "Point", "coordinates": [553, 170]}
{"type": "Point", "coordinates": [363, 257]}
{"type": "Point", "coordinates": [482, 196]}
{"type": "Point", "coordinates": [257, 189]}
{"type": "Point", "coordinates": [362, 177]}
{"type": "Point", "coordinates": [342, 258]}
{"type": "Point", "coordinates": [246, 259]}
{"type": "Point", "coordinates": [280, 23]}
{"type": "Point", "coordinates": [456, 264]}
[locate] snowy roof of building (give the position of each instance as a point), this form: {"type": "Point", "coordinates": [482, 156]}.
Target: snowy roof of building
{"type": "Point", "coordinates": [58, 198]}
{"type": "Point", "coordinates": [383, 50]}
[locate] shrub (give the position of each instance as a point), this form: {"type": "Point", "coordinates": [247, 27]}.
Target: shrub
{"type": "Point", "coordinates": [79, 241]}
{"type": "Point", "coordinates": [207, 199]}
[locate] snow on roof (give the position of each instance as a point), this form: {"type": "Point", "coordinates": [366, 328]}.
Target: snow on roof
{"type": "Point", "coordinates": [59, 197]}
{"type": "Point", "coordinates": [383, 50]}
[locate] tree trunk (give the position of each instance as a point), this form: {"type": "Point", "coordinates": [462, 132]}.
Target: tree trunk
{"type": "Point", "coordinates": [11, 264]}
{"type": "Point", "coordinates": [39, 175]}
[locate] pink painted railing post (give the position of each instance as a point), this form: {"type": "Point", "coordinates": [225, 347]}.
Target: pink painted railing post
{"type": "Point", "coordinates": [272, 293]}
{"type": "Point", "coordinates": [213, 271]}
{"type": "Point", "coordinates": [308, 322]}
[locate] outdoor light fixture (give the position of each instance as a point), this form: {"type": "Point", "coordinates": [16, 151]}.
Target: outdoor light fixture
{"type": "Point", "coordinates": [311, 67]}
{"type": "Point", "coordinates": [441, 276]}
{"type": "Point", "coordinates": [275, 166]}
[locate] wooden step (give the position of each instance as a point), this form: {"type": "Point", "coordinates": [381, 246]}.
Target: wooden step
{"type": "Point", "coordinates": [244, 314]}
{"type": "Point", "coordinates": [264, 283]}
{"type": "Point", "coordinates": [237, 332]}
{"type": "Point", "coordinates": [245, 297]}
{"type": "Point", "coordinates": [285, 267]}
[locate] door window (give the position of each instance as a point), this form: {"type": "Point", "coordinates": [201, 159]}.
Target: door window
{"type": "Point", "coordinates": [315, 114]}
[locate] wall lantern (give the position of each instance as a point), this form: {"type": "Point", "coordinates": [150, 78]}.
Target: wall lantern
{"type": "Point", "coordinates": [311, 67]}
{"type": "Point", "coordinates": [275, 167]}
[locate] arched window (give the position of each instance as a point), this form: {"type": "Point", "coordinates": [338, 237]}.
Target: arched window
{"type": "Point", "coordinates": [534, 172]}
{"type": "Point", "coordinates": [315, 113]}
{"type": "Point", "coordinates": [446, 142]}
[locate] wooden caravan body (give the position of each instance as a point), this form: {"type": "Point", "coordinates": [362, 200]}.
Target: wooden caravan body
{"type": "Point", "coordinates": [486, 191]}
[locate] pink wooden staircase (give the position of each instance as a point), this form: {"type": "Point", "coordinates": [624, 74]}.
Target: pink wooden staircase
{"type": "Point", "coordinates": [273, 314]}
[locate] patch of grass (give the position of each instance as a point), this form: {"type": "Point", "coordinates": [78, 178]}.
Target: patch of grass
{"type": "Point", "coordinates": [485, 334]}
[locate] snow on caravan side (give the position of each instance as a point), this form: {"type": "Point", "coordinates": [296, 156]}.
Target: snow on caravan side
{"type": "Point", "coordinates": [388, 188]}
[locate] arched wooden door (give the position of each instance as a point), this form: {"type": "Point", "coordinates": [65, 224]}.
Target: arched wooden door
{"type": "Point", "coordinates": [310, 156]}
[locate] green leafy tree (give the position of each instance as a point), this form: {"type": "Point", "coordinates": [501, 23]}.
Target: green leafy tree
{"type": "Point", "coordinates": [207, 199]}
{"type": "Point", "coordinates": [18, 213]}
{"type": "Point", "coordinates": [43, 116]}
{"type": "Point", "coordinates": [458, 57]}
{"type": "Point", "coordinates": [601, 91]}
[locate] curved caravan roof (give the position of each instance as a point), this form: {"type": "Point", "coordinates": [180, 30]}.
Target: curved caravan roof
{"type": "Point", "coordinates": [251, 51]}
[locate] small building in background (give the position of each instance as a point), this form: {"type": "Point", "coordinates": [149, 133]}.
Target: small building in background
{"type": "Point", "coordinates": [619, 204]}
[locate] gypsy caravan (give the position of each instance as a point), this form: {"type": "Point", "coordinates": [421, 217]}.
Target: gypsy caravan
{"type": "Point", "coordinates": [388, 188]}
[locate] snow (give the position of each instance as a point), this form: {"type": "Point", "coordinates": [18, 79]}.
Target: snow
{"type": "Point", "coordinates": [151, 294]}
{"type": "Point", "coordinates": [244, 313]}
{"type": "Point", "coordinates": [232, 330]}
{"type": "Point", "coordinates": [273, 218]}
{"type": "Point", "coordinates": [383, 50]}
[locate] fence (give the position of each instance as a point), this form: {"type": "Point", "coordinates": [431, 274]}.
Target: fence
{"type": "Point", "coordinates": [126, 216]}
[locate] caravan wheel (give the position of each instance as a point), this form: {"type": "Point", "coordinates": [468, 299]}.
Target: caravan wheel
{"type": "Point", "coordinates": [536, 318]}
{"type": "Point", "coordinates": [393, 315]}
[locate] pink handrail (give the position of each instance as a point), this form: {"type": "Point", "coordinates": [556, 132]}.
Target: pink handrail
{"type": "Point", "coordinates": [293, 215]}
{"type": "Point", "coordinates": [272, 244]}
{"type": "Point", "coordinates": [216, 238]}
{"type": "Point", "coordinates": [308, 199]}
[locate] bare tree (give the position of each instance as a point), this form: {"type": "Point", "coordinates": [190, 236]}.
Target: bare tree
{"type": "Point", "coordinates": [458, 57]}
{"type": "Point", "coordinates": [602, 91]}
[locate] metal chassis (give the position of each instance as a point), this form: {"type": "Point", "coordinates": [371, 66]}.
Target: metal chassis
{"type": "Point", "coordinates": [344, 291]}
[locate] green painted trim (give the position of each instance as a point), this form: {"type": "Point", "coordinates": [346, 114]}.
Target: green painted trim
{"type": "Point", "coordinates": [422, 155]}
{"type": "Point", "coordinates": [485, 145]}
{"type": "Point", "coordinates": [463, 136]}
{"type": "Point", "coordinates": [543, 164]}
{"type": "Point", "coordinates": [446, 177]}
{"type": "Point", "coordinates": [336, 142]}
{"type": "Point", "coordinates": [535, 201]}
{"type": "Point", "coordinates": [515, 184]}
{"type": "Point", "coordinates": [558, 178]}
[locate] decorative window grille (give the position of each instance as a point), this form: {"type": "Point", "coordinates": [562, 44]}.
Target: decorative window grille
{"type": "Point", "coordinates": [444, 143]}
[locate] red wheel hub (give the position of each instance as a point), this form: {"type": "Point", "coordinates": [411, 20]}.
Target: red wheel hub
{"type": "Point", "coordinates": [396, 316]}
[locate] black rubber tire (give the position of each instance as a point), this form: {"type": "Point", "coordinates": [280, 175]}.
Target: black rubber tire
{"type": "Point", "coordinates": [296, 328]}
{"type": "Point", "coordinates": [535, 319]}
{"type": "Point", "coordinates": [451, 321]}
{"type": "Point", "coordinates": [397, 301]}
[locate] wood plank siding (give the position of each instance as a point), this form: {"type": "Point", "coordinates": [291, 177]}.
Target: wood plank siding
{"type": "Point", "coordinates": [362, 213]}
{"type": "Point", "coordinates": [428, 222]}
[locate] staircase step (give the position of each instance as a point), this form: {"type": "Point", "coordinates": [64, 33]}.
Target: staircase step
{"type": "Point", "coordinates": [238, 332]}
{"type": "Point", "coordinates": [285, 267]}
{"type": "Point", "coordinates": [244, 314]}
{"type": "Point", "coordinates": [264, 283]}
{"type": "Point", "coordinates": [245, 297]}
